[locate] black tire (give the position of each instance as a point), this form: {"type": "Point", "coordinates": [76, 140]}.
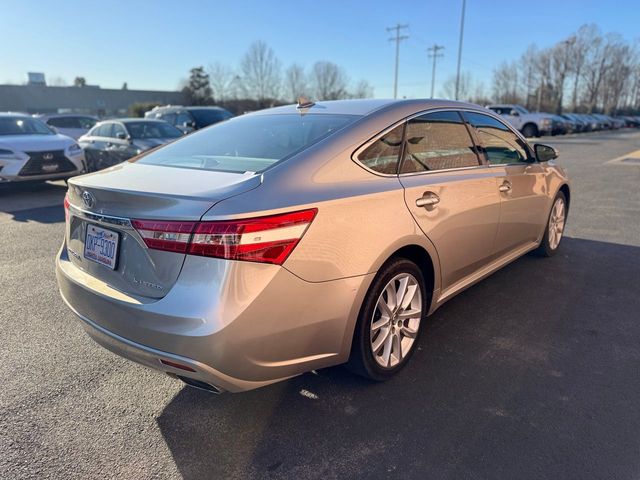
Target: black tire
{"type": "Point", "coordinates": [546, 248]}
{"type": "Point", "coordinates": [530, 131]}
{"type": "Point", "coordinates": [361, 360]}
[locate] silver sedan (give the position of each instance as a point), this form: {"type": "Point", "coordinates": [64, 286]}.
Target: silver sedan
{"type": "Point", "coordinates": [301, 237]}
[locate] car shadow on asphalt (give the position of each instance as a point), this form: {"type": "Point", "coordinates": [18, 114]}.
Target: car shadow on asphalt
{"type": "Point", "coordinates": [532, 373]}
{"type": "Point", "coordinates": [38, 202]}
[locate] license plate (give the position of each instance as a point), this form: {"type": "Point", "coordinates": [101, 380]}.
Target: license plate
{"type": "Point", "coordinates": [101, 246]}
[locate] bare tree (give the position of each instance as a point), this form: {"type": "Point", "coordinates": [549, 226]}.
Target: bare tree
{"type": "Point", "coordinates": [261, 73]}
{"type": "Point", "coordinates": [363, 89]}
{"type": "Point", "coordinates": [505, 83]}
{"type": "Point", "coordinates": [221, 78]}
{"type": "Point", "coordinates": [465, 87]}
{"type": "Point", "coordinates": [329, 81]}
{"type": "Point", "coordinates": [295, 83]}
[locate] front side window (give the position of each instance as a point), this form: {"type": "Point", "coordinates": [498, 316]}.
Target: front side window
{"type": "Point", "coordinates": [118, 131]}
{"type": "Point", "coordinates": [249, 143]}
{"type": "Point", "coordinates": [182, 119]}
{"type": "Point", "coordinates": [437, 141]}
{"type": "Point", "coordinates": [63, 122]}
{"type": "Point", "coordinates": [150, 129]}
{"type": "Point", "coordinates": [500, 145]}
{"type": "Point", "coordinates": [103, 130]}
{"type": "Point", "coordinates": [383, 154]}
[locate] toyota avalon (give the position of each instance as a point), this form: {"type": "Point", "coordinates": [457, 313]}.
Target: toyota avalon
{"type": "Point", "coordinates": [301, 237]}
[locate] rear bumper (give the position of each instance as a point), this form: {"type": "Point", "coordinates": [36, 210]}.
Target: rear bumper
{"type": "Point", "coordinates": [238, 325]}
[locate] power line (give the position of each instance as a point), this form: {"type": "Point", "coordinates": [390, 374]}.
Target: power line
{"type": "Point", "coordinates": [398, 38]}
{"type": "Point", "coordinates": [433, 53]}
{"type": "Point", "coordinates": [464, 2]}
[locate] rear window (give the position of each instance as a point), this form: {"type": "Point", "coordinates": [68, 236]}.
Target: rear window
{"type": "Point", "coordinates": [249, 143]}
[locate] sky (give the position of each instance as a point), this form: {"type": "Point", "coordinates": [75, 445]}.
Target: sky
{"type": "Point", "coordinates": [153, 44]}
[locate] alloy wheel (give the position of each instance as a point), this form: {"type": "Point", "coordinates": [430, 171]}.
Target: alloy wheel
{"type": "Point", "coordinates": [396, 320]}
{"type": "Point", "coordinates": [556, 223]}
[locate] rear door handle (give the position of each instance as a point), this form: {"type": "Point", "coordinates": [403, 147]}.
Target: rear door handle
{"type": "Point", "coordinates": [505, 187]}
{"type": "Point", "coordinates": [429, 199]}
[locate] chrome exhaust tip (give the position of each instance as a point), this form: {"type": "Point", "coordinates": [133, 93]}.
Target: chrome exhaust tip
{"type": "Point", "coordinates": [200, 385]}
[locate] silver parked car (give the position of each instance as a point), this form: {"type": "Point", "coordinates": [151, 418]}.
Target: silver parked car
{"type": "Point", "coordinates": [303, 236]}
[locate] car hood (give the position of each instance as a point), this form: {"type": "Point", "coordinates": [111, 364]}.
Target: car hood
{"type": "Point", "coordinates": [35, 143]}
{"type": "Point", "coordinates": [147, 143]}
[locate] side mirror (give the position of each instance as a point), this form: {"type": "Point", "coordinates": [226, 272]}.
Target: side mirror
{"type": "Point", "coordinates": [121, 135]}
{"type": "Point", "coordinates": [545, 153]}
{"type": "Point", "coordinates": [514, 113]}
{"type": "Point", "coordinates": [189, 124]}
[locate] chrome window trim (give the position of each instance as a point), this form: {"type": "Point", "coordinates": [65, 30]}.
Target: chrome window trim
{"type": "Point", "coordinates": [361, 148]}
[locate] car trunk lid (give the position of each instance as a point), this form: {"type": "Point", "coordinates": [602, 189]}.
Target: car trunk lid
{"type": "Point", "coordinates": [108, 201]}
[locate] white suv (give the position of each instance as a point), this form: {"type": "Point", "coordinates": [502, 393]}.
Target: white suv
{"type": "Point", "coordinates": [530, 124]}
{"type": "Point", "coordinates": [30, 150]}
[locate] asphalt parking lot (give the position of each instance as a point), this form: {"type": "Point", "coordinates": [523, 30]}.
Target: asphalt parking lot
{"type": "Point", "coordinates": [533, 373]}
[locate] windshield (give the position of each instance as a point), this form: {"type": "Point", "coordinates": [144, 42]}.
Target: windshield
{"type": "Point", "coordinates": [23, 126]}
{"type": "Point", "coordinates": [249, 143]}
{"type": "Point", "coordinates": [143, 130]}
{"type": "Point", "coordinates": [208, 116]}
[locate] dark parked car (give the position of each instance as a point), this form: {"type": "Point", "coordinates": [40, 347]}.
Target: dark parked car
{"type": "Point", "coordinates": [189, 119]}
{"type": "Point", "coordinates": [114, 141]}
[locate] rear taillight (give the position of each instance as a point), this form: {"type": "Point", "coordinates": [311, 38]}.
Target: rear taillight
{"type": "Point", "coordinates": [160, 235]}
{"type": "Point", "coordinates": [264, 239]}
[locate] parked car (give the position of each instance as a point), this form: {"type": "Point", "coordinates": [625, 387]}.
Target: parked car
{"type": "Point", "coordinates": [30, 150]}
{"type": "Point", "coordinates": [561, 125]}
{"type": "Point", "coordinates": [297, 238]}
{"type": "Point", "coordinates": [595, 124]}
{"type": "Point", "coordinates": [530, 124]}
{"type": "Point", "coordinates": [114, 141]}
{"type": "Point", "coordinates": [73, 126]}
{"type": "Point", "coordinates": [189, 119]}
{"type": "Point", "coordinates": [574, 124]}
{"type": "Point", "coordinates": [605, 121]}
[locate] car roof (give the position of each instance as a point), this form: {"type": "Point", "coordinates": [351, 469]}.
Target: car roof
{"type": "Point", "coordinates": [364, 107]}
{"type": "Point", "coordinates": [129, 120]}
{"type": "Point", "coordinates": [13, 114]}
{"type": "Point", "coordinates": [192, 107]}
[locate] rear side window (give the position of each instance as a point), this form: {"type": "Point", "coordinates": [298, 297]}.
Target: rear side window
{"type": "Point", "coordinates": [500, 145]}
{"type": "Point", "coordinates": [383, 154]}
{"type": "Point", "coordinates": [437, 141]}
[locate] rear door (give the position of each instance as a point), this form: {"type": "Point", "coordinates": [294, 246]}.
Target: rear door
{"type": "Point", "coordinates": [520, 181]}
{"type": "Point", "coordinates": [450, 193]}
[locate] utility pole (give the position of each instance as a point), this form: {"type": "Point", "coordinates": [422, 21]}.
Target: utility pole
{"type": "Point", "coordinates": [398, 38]}
{"type": "Point", "coordinates": [433, 53]}
{"type": "Point", "coordinates": [464, 2]}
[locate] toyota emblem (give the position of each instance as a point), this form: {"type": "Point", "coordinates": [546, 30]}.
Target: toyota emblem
{"type": "Point", "coordinates": [88, 199]}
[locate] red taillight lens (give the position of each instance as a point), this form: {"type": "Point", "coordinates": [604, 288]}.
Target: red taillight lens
{"type": "Point", "coordinates": [161, 235]}
{"type": "Point", "coordinates": [265, 239]}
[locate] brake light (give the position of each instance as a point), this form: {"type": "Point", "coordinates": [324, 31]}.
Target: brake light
{"type": "Point", "coordinates": [268, 239]}
{"type": "Point", "coordinates": [161, 235]}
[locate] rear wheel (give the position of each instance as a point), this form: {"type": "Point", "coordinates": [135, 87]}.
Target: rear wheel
{"type": "Point", "coordinates": [530, 130]}
{"type": "Point", "coordinates": [555, 227]}
{"type": "Point", "coordinates": [389, 322]}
